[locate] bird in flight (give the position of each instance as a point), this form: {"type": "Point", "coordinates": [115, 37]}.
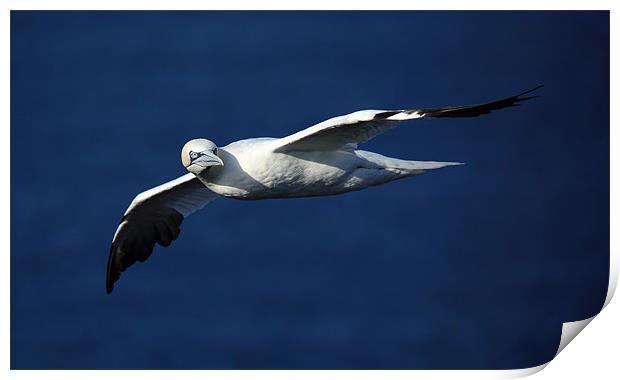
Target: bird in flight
{"type": "Point", "coordinates": [320, 160]}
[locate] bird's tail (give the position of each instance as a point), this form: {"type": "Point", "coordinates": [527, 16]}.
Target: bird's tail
{"type": "Point", "coordinates": [378, 161]}
{"type": "Point", "coordinates": [428, 165]}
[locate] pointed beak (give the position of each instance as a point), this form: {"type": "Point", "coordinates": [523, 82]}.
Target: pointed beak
{"type": "Point", "coordinates": [204, 161]}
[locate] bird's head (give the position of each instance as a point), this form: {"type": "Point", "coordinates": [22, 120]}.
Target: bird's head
{"type": "Point", "coordinates": [200, 154]}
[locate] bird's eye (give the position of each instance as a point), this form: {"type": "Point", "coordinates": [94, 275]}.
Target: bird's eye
{"type": "Point", "coordinates": [193, 154]}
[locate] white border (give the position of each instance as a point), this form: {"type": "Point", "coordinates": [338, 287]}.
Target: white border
{"type": "Point", "coordinates": [309, 5]}
{"type": "Point", "coordinates": [598, 351]}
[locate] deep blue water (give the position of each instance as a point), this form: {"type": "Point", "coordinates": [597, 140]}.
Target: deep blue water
{"type": "Point", "coordinates": [468, 267]}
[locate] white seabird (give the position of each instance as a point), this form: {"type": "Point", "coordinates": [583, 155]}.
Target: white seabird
{"type": "Point", "coordinates": [320, 160]}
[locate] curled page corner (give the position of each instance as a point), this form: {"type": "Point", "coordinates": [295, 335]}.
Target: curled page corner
{"type": "Point", "coordinates": [570, 331]}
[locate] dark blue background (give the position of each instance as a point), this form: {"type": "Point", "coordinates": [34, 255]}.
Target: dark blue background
{"type": "Point", "coordinates": [468, 267]}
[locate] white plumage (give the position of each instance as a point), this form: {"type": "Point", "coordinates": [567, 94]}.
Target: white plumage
{"type": "Point", "coordinates": [320, 160]}
{"type": "Point", "coordinates": [259, 169]}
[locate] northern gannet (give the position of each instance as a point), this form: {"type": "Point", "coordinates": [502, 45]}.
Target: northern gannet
{"type": "Point", "coordinates": [320, 160]}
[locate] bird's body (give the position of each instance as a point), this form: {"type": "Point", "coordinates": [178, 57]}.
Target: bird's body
{"type": "Point", "coordinates": [323, 159]}
{"type": "Point", "coordinates": [252, 171]}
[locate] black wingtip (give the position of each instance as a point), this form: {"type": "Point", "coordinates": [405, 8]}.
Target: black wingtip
{"type": "Point", "coordinates": [479, 109]}
{"type": "Point", "coordinates": [111, 274]}
{"type": "Point", "coordinates": [529, 91]}
{"type": "Point", "coordinates": [109, 283]}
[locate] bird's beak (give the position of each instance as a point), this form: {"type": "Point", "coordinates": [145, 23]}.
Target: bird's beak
{"type": "Point", "coordinates": [207, 159]}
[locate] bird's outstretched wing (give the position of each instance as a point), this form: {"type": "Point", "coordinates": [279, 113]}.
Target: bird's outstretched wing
{"type": "Point", "coordinates": [358, 127]}
{"type": "Point", "coordinates": [154, 216]}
